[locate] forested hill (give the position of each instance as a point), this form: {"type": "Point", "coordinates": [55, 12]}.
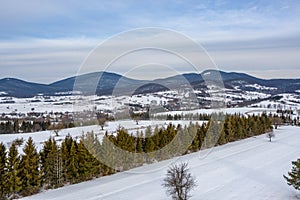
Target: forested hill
{"type": "Point", "coordinates": [108, 82]}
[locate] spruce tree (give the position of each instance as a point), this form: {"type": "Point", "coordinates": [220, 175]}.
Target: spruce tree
{"type": "Point", "coordinates": [84, 164]}
{"type": "Point", "coordinates": [65, 152]}
{"type": "Point", "coordinates": [16, 126]}
{"type": "Point", "coordinates": [13, 180]}
{"type": "Point", "coordinates": [55, 158]}
{"type": "Point", "coordinates": [139, 149]}
{"type": "Point", "coordinates": [44, 154]}
{"type": "Point", "coordinates": [29, 172]}
{"type": "Point", "coordinates": [139, 143]}
{"type": "Point", "coordinates": [72, 164]}
{"type": "Point", "coordinates": [64, 160]}
{"type": "Point", "coordinates": [91, 145]}
{"type": "Point", "coordinates": [3, 172]}
{"type": "Point", "coordinates": [51, 164]}
{"type": "Point", "coordinates": [107, 155]}
{"type": "Point", "coordinates": [149, 147]}
{"type": "Point", "coordinates": [294, 175]}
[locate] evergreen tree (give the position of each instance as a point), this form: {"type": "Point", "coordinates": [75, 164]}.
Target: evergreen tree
{"type": "Point", "coordinates": [91, 146]}
{"type": "Point", "coordinates": [64, 159]}
{"type": "Point", "coordinates": [29, 171]}
{"type": "Point", "coordinates": [72, 164]}
{"type": "Point", "coordinates": [229, 131]}
{"type": "Point", "coordinates": [9, 127]}
{"type": "Point", "coordinates": [201, 135]}
{"type": "Point", "coordinates": [126, 143]}
{"type": "Point", "coordinates": [106, 154]}
{"type": "Point", "coordinates": [51, 164]}
{"type": "Point", "coordinates": [222, 138]}
{"type": "Point", "coordinates": [139, 140]}
{"type": "Point", "coordinates": [85, 164]}
{"type": "Point", "coordinates": [13, 180]}
{"type": "Point", "coordinates": [3, 172]}
{"type": "Point", "coordinates": [294, 175]}
{"type": "Point", "coordinates": [149, 148]}
{"type": "Point", "coordinates": [149, 145]}
{"type": "Point", "coordinates": [16, 126]}
{"type": "Point", "coordinates": [196, 143]}
{"type": "Point", "coordinates": [55, 158]}
{"type": "Point", "coordinates": [139, 143]}
{"type": "Point", "coordinates": [44, 154]}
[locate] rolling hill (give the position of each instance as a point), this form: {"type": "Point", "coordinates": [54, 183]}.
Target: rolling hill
{"type": "Point", "coordinates": [112, 83]}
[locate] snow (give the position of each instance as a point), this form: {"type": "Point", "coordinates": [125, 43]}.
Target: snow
{"type": "Point", "coordinates": [290, 97]}
{"type": "Point", "coordinates": [47, 104]}
{"type": "Point", "coordinates": [247, 169]}
{"type": "Point", "coordinates": [286, 101]}
{"type": "Point", "coordinates": [68, 93]}
{"type": "Point", "coordinates": [242, 110]}
{"type": "Point", "coordinates": [37, 104]}
{"type": "Point", "coordinates": [260, 87]}
{"type": "Point", "coordinates": [40, 137]}
{"type": "Point", "coordinates": [206, 73]}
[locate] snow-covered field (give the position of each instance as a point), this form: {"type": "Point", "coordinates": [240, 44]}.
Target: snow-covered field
{"type": "Point", "coordinates": [286, 102]}
{"type": "Point", "coordinates": [40, 137]}
{"type": "Point", "coordinates": [248, 169]}
{"type": "Point", "coordinates": [46, 104]}
{"type": "Point", "coordinates": [242, 111]}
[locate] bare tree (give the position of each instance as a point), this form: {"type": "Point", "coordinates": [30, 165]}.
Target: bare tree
{"type": "Point", "coordinates": [179, 182]}
{"type": "Point", "coordinates": [270, 135]}
{"type": "Point", "coordinates": [136, 118]}
{"type": "Point", "coordinates": [102, 122]}
{"type": "Point", "coordinates": [57, 128]}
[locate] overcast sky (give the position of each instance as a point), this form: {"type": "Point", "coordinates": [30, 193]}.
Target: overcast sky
{"type": "Point", "coordinates": [44, 41]}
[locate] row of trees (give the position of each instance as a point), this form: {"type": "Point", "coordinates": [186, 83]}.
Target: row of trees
{"type": "Point", "coordinates": [19, 174]}
{"type": "Point", "coordinates": [14, 126]}
{"type": "Point", "coordinates": [279, 118]}
{"type": "Point", "coordinates": [76, 160]}
{"type": "Point", "coordinates": [196, 136]}
{"type": "Point", "coordinates": [187, 116]}
{"type": "Point", "coordinates": [54, 166]}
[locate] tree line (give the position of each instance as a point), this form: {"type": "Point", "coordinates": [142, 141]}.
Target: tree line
{"type": "Point", "coordinates": [23, 126]}
{"type": "Point", "coordinates": [14, 126]}
{"type": "Point", "coordinates": [187, 116]}
{"type": "Point", "coordinates": [54, 166]}
{"type": "Point", "coordinates": [77, 160]}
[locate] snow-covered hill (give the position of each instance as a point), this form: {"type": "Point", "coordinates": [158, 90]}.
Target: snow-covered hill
{"type": "Point", "coordinates": [40, 137]}
{"type": "Point", "coordinates": [112, 83]}
{"type": "Point", "coordinates": [158, 102]}
{"type": "Point", "coordinates": [248, 169]}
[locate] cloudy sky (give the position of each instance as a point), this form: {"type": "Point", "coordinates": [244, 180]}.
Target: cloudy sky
{"type": "Point", "coordinates": [44, 41]}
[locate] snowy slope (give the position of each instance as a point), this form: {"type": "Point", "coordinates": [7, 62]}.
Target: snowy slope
{"type": "Point", "coordinates": [241, 110]}
{"type": "Point", "coordinates": [248, 169]}
{"type": "Point", "coordinates": [40, 137]}
{"type": "Point", "coordinates": [47, 104]}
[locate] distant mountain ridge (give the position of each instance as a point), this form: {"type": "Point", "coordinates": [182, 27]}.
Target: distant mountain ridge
{"type": "Point", "coordinates": [112, 83]}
